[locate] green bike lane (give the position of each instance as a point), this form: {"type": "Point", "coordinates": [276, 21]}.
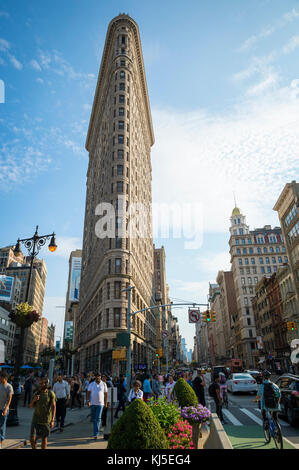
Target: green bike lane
{"type": "Point", "coordinates": [251, 437]}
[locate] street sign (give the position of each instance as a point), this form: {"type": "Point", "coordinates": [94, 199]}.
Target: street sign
{"type": "Point", "coordinates": [194, 316]}
{"type": "Point", "coordinates": [122, 339]}
{"type": "Point", "coordinates": [119, 354]}
{"type": "Point", "coordinates": [165, 333]}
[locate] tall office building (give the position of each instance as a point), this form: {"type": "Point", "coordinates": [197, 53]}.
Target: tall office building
{"type": "Point", "coordinates": [119, 141]}
{"type": "Point", "coordinates": [254, 254]}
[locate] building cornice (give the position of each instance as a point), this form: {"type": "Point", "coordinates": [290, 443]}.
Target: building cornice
{"type": "Point", "coordinates": [121, 19]}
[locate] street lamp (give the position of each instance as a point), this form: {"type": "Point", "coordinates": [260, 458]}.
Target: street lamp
{"type": "Point", "coordinates": [33, 246]}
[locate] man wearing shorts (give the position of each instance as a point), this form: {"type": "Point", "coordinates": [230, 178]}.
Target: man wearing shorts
{"type": "Point", "coordinates": [44, 404]}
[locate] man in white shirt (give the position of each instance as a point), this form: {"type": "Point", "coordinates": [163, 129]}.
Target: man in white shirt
{"type": "Point", "coordinates": [62, 391]}
{"type": "Point", "coordinates": [97, 396]}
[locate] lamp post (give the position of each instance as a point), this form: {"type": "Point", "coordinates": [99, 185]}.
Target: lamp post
{"type": "Point", "coordinates": [33, 246]}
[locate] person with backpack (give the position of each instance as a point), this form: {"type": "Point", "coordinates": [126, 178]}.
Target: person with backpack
{"type": "Point", "coordinates": [214, 392]}
{"type": "Point", "coordinates": [269, 396]}
{"type": "Point", "coordinates": [28, 388]}
{"type": "Point", "coordinates": [198, 385]}
{"type": "Point", "coordinates": [121, 396]}
{"type": "Point", "coordinates": [44, 404]}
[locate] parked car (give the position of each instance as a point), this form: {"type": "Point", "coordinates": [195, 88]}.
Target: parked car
{"type": "Point", "coordinates": [256, 374]}
{"type": "Point", "coordinates": [241, 382]}
{"type": "Point", "coordinates": [289, 401]}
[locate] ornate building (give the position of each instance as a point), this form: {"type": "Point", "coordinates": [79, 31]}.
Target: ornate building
{"type": "Point", "coordinates": [254, 254]}
{"type": "Point", "coordinates": [119, 141]}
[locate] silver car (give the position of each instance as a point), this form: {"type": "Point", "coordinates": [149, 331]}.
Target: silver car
{"type": "Point", "coordinates": [241, 382]}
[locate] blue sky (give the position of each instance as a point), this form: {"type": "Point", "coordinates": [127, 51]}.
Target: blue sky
{"type": "Point", "coordinates": [223, 83]}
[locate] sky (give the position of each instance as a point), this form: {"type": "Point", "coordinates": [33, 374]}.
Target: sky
{"type": "Point", "coordinates": [223, 84]}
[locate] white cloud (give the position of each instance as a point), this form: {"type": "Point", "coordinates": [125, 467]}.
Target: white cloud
{"type": "Point", "coordinates": [35, 65]}
{"type": "Point", "coordinates": [290, 16]}
{"type": "Point", "coordinates": [40, 80]}
{"type": "Point", "coordinates": [53, 314]}
{"type": "Point", "coordinates": [291, 45]}
{"type": "Point", "coordinates": [15, 62]}
{"type": "Point", "coordinates": [214, 262]}
{"type": "Point", "coordinates": [251, 149]}
{"type": "Point", "coordinates": [268, 82]}
{"type": "Point", "coordinates": [4, 45]}
{"type": "Point", "coordinates": [65, 245]}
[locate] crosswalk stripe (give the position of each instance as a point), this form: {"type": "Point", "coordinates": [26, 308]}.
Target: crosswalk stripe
{"type": "Point", "coordinates": [231, 417]}
{"type": "Point", "coordinates": [282, 423]}
{"type": "Point", "coordinates": [252, 416]}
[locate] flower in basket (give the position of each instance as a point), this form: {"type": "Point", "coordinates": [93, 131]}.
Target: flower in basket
{"type": "Point", "coordinates": [195, 414]}
{"type": "Point", "coordinates": [24, 315]}
{"type": "Point", "coordinates": [180, 436]}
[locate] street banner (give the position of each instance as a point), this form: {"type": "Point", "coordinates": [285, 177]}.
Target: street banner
{"type": "Point", "coordinates": [259, 342]}
{"type": "Point", "coordinates": [6, 288]}
{"type": "Point", "coordinates": [2, 351]}
{"type": "Point", "coordinates": [75, 280]}
{"type": "Point", "coordinates": [194, 316]}
{"type": "Point", "coordinates": [68, 330]}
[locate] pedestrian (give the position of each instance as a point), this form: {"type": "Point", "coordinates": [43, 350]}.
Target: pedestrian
{"type": "Point", "coordinates": [28, 388]}
{"type": "Point", "coordinates": [121, 397]}
{"type": "Point", "coordinates": [135, 392]}
{"type": "Point", "coordinates": [62, 391]}
{"type": "Point", "coordinates": [44, 404]}
{"type": "Point", "coordinates": [214, 392]}
{"type": "Point", "coordinates": [75, 389]}
{"type": "Point", "coordinates": [198, 385]}
{"type": "Point", "coordinates": [6, 393]}
{"type": "Point", "coordinates": [97, 396]}
{"type": "Point", "coordinates": [189, 378]}
{"type": "Point", "coordinates": [106, 380]}
{"type": "Point", "coordinates": [169, 388]}
{"type": "Point", "coordinates": [147, 391]}
{"type": "Point", "coordinates": [156, 386]}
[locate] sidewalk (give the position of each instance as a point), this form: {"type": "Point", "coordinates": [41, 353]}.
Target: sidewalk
{"type": "Point", "coordinates": [77, 433]}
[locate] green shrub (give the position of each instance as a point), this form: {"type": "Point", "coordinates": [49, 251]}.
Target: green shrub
{"type": "Point", "coordinates": [137, 428]}
{"type": "Point", "coordinates": [185, 394]}
{"type": "Point", "coordinates": [166, 413]}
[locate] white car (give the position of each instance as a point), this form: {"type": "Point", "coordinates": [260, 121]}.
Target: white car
{"type": "Point", "coordinates": [241, 382]}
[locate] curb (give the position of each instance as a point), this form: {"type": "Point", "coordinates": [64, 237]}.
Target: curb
{"type": "Point", "coordinates": [24, 442]}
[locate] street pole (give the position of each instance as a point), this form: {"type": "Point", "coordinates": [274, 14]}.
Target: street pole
{"type": "Point", "coordinates": [33, 245]}
{"type": "Point", "coordinates": [129, 365]}
{"type": "Point", "coordinates": [166, 355]}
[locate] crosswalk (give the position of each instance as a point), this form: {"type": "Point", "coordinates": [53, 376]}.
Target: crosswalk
{"type": "Point", "coordinates": [239, 416]}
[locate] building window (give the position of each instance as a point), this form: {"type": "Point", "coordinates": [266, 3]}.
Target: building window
{"type": "Point", "coordinates": [280, 259]}
{"type": "Point", "coordinates": [261, 260]}
{"type": "Point", "coordinates": [118, 265]}
{"type": "Point", "coordinates": [122, 87]}
{"type": "Point", "coordinates": [118, 243]}
{"type": "Point", "coordinates": [250, 250]}
{"type": "Point", "coordinates": [107, 324]}
{"type": "Point", "coordinates": [116, 317]}
{"type": "Point", "coordinates": [265, 250]}
{"type": "Point", "coordinates": [121, 111]}
{"type": "Point", "coordinates": [243, 241]}
{"type": "Point", "coordinates": [119, 187]}
{"type": "Point", "coordinates": [269, 269]}
{"type": "Point", "coordinates": [122, 63]}
{"type": "Point", "coordinates": [246, 261]}
{"type": "Point", "coordinates": [121, 74]}
{"type": "Point", "coordinates": [120, 170]}
{"type": "Point", "coordinates": [238, 251]}
{"type": "Point", "coordinates": [117, 289]}
{"type": "Point", "coordinates": [267, 260]}
{"type": "Point", "coordinates": [246, 300]}
{"type": "Point", "coordinates": [244, 251]}
{"type": "Point", "coordinates": [249, 241]}
{"type": "Point", "coordinates": [120, 154]}
{"type": "Point", "coordinates": [255, 280]}
{"type": "Point", "coordinates": [243, 281]}
{"type": "Point", "coordinates": [240, 261]}
{"type": "Point", "coordinates": [262, 270]}
{"type": "Point", "coordinates": [108, 290]}
{"type": "Point", "coordinates": [120, 139]}
{"type": "Point", "coordinates": [237, 241]}
{"type": "Point", "coordinates": [121, 99]}
{"type": "Point", "coordinates": [252, 261]}
{"type": "Point", "coordinates": [273, 259]}
{"type": "Point", "coordinates": [121, 125]}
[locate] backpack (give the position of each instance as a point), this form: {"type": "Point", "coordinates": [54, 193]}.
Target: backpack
{"type": "Point", "coordinates": [212, 390]}
{"type": "Point", "coordinates": [270, 399]}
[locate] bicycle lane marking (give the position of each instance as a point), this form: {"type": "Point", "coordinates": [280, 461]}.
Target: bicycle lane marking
{"type": "Point", "coordinates": [231, 417]}
{"type": "Point", "coordinates": [252, 416]}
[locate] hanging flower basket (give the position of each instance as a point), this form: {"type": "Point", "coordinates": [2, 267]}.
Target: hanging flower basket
{"type": "Point", "coordinates": [24, 315]}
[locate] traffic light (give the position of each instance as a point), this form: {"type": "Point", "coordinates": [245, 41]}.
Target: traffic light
{"type": "Point", "coordinates": [206, 316]}
{"type": "Point", "coordinates": [158, 353]}
{"type": "Point", "coordinates": [291, 325]}
{"type": "Point", "coordinates": [213, 315]}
